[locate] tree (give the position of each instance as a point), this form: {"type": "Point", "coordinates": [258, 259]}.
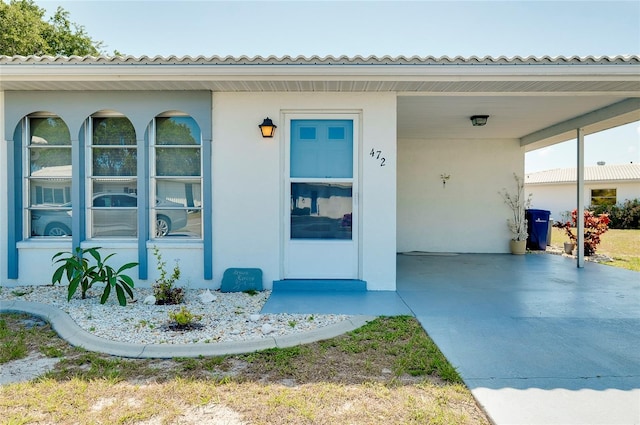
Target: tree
{"type": "Point", "coordinates": [23, 31]}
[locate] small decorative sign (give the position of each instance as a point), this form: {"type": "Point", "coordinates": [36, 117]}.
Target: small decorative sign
{"type": "Point", "coordinates": [239, 280]}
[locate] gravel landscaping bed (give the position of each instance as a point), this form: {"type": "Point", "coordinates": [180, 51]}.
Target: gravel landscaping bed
{"type": "Point", "coordinates": [233, 316]}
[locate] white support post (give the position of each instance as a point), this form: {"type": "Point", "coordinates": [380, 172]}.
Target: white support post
{"type": "Point", "coordinates": [580, 199]}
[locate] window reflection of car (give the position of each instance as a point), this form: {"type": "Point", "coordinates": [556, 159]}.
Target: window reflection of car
{"type": "Point", "coordinates": [109, 219]}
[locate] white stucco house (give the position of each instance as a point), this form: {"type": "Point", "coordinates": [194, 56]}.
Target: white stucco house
{"type": "Point", "coordinates": [555, 190]}
{"type": "Point", "coordinates": [371, 156]}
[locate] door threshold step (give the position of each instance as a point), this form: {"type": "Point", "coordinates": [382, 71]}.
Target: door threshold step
{"type": "Point", "coordinates": [319, 285]}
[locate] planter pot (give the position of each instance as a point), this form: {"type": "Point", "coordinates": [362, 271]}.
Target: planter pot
{"type": "Point", "coordinates": [569, 247]}
{"type": "Point", "coordinates": [518, 247]}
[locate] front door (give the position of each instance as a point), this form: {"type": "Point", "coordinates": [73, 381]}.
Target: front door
{"type": "Point", "coordinates": [321, 223]}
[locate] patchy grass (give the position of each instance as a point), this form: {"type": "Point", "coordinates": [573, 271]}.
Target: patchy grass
{"type": "Point", "coordinates": [388, 371]}
{"type": "Point", "coordinates": [621, 245]}
{"type": "Point", "coordinates": [17, 340]}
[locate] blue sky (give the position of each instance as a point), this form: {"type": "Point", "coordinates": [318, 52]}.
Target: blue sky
{"type": "Point", "coordinates": [423, 28]}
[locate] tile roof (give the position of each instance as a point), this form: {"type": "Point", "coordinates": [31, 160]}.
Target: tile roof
{"type": "Point", "coordinates": [592, 174]}
{"type": "Point", "coordinates": [323, 60]}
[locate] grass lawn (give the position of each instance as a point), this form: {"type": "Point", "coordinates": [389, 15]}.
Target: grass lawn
{"type": "Point", "coordinates": [387, 372]}
{"type": "Point", "coordinates": [621, 245]}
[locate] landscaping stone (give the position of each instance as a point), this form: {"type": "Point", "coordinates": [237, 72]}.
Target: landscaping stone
{"type": "Point", "coordinates": [207, 297]}
{"type": "Point", "coordinates": [227, 319]}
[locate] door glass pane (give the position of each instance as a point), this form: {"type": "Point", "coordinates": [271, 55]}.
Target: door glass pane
{"type": "Point", "coordinates": [321, 211]}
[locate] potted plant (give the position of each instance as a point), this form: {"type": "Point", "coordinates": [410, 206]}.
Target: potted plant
{"type": "Point", "coordinates": [594, 227]}
{"type": "Point", "coordinates": [571, 244]}
{"type": "Point", "coordinates": [518, 222]}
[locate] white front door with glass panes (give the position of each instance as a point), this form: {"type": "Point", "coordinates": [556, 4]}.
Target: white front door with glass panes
{"type": "Point", "coordinates": [321, 223]}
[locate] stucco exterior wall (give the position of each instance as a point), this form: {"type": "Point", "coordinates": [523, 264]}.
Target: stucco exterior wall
{"type": "Point", "coordinates": [466, 214]}
{"type": "Point", "coordinates": [247, 180]}
{"type": "Point", "coordinates": [560, 198]}
{"type": "Point", "coordinates": [248, 216]}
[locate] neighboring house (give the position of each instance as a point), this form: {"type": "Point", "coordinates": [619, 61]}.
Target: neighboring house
{"type": "Point", "coordinates": [355, 173]}
{"type": "Point", "coordinates": [555, 190]}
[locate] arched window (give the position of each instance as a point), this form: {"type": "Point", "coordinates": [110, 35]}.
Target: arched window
{"type": "Point", "coordinates": [48, 176]}
{"type": "Point", "coordinates": [113, 170]}
{"type": "Point", "coordinates": [176, 177]}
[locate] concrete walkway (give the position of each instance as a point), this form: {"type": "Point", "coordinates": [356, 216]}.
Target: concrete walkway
{"type": "Point", "coordinates": [537, 340]}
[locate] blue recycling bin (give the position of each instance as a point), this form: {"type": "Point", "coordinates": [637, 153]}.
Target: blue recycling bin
{"type": "Point", "coordinates": [538, 229]}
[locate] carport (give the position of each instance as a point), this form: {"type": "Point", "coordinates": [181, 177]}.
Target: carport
{"type": "Point", "coordinates": [537, 340]}
{"type": "Point", "coordinates": [534, 109]}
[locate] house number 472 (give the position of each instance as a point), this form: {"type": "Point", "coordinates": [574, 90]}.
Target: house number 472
{"type": "Point", "coordinates": [378, 155]}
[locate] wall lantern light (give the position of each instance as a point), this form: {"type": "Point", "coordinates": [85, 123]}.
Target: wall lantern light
{"type": "Point", "coordinates": [267, 128]}
{"type": "Point", "coordinates": [479, 120]}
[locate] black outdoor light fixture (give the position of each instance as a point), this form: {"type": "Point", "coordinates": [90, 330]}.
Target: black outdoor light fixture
{"type": "Point", "coordinates": [267, 128]}
{"type": "Point", "coordinates": [479, 120]}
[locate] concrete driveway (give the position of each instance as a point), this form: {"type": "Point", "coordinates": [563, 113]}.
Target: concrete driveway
{"type": "Point", "coordinates": [537, 340]}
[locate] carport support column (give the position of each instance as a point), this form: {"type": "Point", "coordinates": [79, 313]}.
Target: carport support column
{"type": "Point", "coordinates": [580, 198]}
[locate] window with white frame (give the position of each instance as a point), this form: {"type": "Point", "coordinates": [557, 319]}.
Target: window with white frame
{"type": "Point", "coordinates": [176, 178]}
{"type": "Point", "coordinates": [48, 176]}
{"type": "Point", "coordinates": [113, 178]}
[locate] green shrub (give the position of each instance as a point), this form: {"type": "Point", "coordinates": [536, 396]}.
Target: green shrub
{"type": "Point", "coordinates": [624, 215]}
{"type": "Point", "coordinates": [163, 289]}
{"type": "Point", "coordinates": [184, 317]}
{"type": "Point", "coordinates": [79, 272]}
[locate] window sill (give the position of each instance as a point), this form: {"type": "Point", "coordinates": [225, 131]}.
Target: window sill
{"type": "Point", "coordinates": [175, 244]}
{"type": "Point", "coordinates": [110, 243]}
{"type": "Point", "coordinates": [45, 243]}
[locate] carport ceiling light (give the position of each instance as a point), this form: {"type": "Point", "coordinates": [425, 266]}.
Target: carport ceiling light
{"type": "Point", "coordinates": [479, 120]}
